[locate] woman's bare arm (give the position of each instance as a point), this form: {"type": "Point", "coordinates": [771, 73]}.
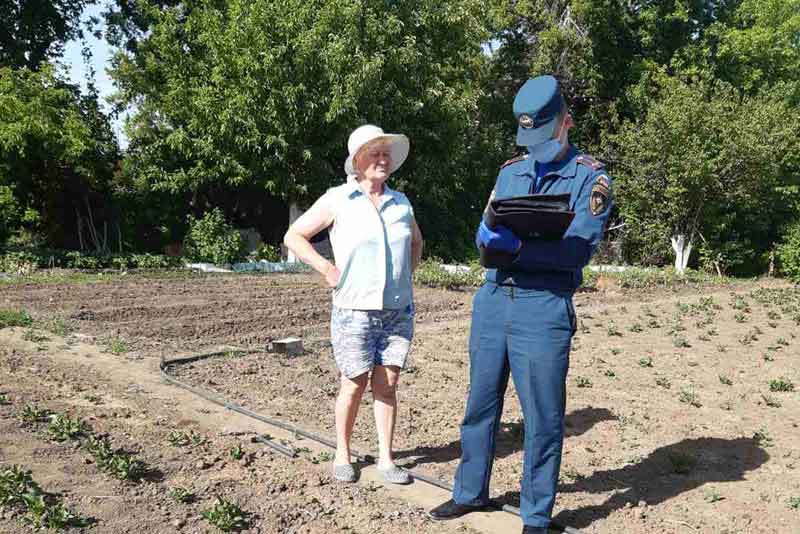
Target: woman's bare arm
{"type": "Point", "coordinates": [416, 245]}
{"type": "Point", "coordinates": [297, 237]}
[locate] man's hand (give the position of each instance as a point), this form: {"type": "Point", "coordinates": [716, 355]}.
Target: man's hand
{"type": "Point", "coordinates": [331, 275]}
{"type": "Point", "coordinates": [499, 238]}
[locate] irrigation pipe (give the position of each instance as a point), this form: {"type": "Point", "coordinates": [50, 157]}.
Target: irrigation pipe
{"type": "Point", "coordinates": [297, 431]}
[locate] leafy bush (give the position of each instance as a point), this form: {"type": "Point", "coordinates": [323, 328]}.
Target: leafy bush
{"type": "Point", "coordinates": [18, 262]}
{"type": "Point", "coordinates": [431, 273]}
{"type": "Point", "coordinates": [789, 253]}
{"type": "Point", "coordinates": [212, 239]}
{"type": "Point", "coordinates": [267, 252]}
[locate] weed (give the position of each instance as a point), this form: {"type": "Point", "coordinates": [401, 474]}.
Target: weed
{"type": "Point", "coordinates": [769, 356]}
{"type": "Point", "coordinates": [712, 496]}
{"type": "Point", "coordinates": [14, 318]}
{"type": "Point", "coordinates": [63, 428]}
{"type": "Point", "coordinates": [322, 457]}
{"type": "Point", "coordinates": [682, 463]}
{"type": "Point", "coordinates": [4, 400]}
{"type": "Point", "coordinates": [664, 382]}
{"type": "Point", "coordinates": [703, 337]}
{"type": "Point", "coordinates": [117, 346]}
{"type": "Point", "coordinates": [740, 317]}
{"type": "Point", "coordinates": [689, 397]}
{"type": "Point", "coordinates": [182, 439]}
{"type": "Point", "coordinates": [181, 495]}
{"type": "Point", "coordinates": [226, 515]}
{"type": "Point", "coordinates": [794, 503]}
{"type": "Point", "coordinates": [725, 380]}
{"type": "Point", "coordinates": [771, 401]}
{"type": "Point", "coordinates": [612, 330]}
{"type": "Point", "coordinates": [646, 362]}
{"type": "Point", "coordinates": [94, 399]}
{"type": "Point", "coordinates": [33, 336]}
{"type": "Point", "coordinates": [635, 327]}
{"type": "Point", "coordinates": [711, 332]}
{"type": "Point", "coordinates": [610, 373]}
{"type": "Point", "coordinates": [614, 351]}
{"type": "Point", "coordinates": [583, 382]}
{"type": "Point", "coordinates": [763, 438]}
{"type": "Point", "coordinates": [722, 348]}
{"type": "Point", "coordinates": [740, 304]}
{"type": "Point", "coordinates": [782, 342]}
{"type": "Point", "coordinates": [680, 342]}
{"type": "Point", "coordinates": [653, 323]}
{"type": "Point", "coordinates": [31, 413]}
{"type": "Point", "coordinates": [56, 326]}
{"type": "Point", "coordinates": [16, 481]}
{"type": "Point", "coordinates": [237, 452]}
{"type": "Point", "coordinates": [781, 385]}
{"type": "Point", "coordinates": [54, 516]}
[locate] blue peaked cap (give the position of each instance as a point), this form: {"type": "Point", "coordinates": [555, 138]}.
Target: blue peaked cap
{"type": "Point", "coordinates": [536, 108]}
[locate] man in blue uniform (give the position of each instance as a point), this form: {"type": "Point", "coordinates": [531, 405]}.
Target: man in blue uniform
{"type": "Point", "coordinates": [523, 318]}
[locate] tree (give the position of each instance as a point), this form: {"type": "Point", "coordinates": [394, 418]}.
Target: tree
{"type": "Point", "coordinates": [35, 31]}
{"type": "Point", "coordinates": [705, 161]}
{"type": "Point", "coordinates": [237, 93]}
{"type": "Point", "coordinates": [56, 148]}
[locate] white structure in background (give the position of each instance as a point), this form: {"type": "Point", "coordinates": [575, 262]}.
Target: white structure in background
{"type": "Point", "coordinates": [682, 245]}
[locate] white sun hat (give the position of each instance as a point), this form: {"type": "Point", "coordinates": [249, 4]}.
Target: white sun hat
{"type": "Point", "coordinates": [363, 135]}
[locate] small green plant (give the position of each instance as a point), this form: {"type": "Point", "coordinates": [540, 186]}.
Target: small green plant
{"type": "Point", "coordinates": [781, 385]}
{"type": "Point", "coordinates": [664, 382]}
{"type": "Point", "coordinates": [725, 380]}
{"type": "Point", "coordinates": [635, 327]}
{"type": "Point", "coordinates": [55, 516]}
{"type": "Point", "coordinates": [614, 350]}
{"type": "Point", "coordinates": [56, 326]}
{"type": "Point", "coordinates": [33, 336]}
{"type": "Point", "coordinates": [771, 401]}
{"type": "Point", "coordinates": [94, 399]}
{"type": "Point", "coordinates": [4, 400]}
{"type": "Point", "coordinates": [722, 348]}
{"type": "Point", "coordinates": [739, 303]}
{"type": "Point", "coordinates": [794, 503]}
{"type": "Point", "coordinates": [762, 438]}
{"type": "Point", "coordinates": [690, 398]}
{"type": "Point", "coordinates": [712, 496]}
{"type": "Point", "coordinates": [680, 342]}
{"type": "Point", "coordinates": [117, 346]}
{"type": "Point", "coordinates": [769, 356]}
{"type": "Point", "coordinates": [179, 438]}
{"type": "Point", "coordinates": [773, 315]}
{"type": "Point", "coordinates": [31, 413]}
{"type": "Point", "coordinates": [740, 317]}
{"type": "Point", "coordinates": [782, 342]}
{"type": "Point", "coordinates": [610, 373]}
{"type": "Point", "coordinates": [63, 428]}
{"type": "Point", "coordinates": [237, 452]}
{"type": "Point", "coordinates": [226, 515]}
{"type": "Point", "coordinates": [181, 495]}
{"type": "Point", "coordinates": [322, 457]}
{"type": "Point", "coordinates": [612, 330]}
{"type": "Point", "coordinates": [118, 464]}
{"type": "Point", "coordinates": [653, 323]}
{"type": "Point", "coordinates": [682, 463]}
{"type": "Point", "coordinates": [646, 362]}
{"type": "Point", "coordinates": [711, 332]}
{"type": "Point", "coordinates": [583, 382]}
{"type": "Point", "coordinates": [10, 318]}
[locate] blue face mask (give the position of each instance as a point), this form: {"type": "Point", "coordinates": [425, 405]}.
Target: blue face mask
{"type": "Point", "coordinates": [547, 151]}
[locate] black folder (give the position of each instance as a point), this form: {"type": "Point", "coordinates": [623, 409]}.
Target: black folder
{"type": "Point", "coordinates": [529, 217]}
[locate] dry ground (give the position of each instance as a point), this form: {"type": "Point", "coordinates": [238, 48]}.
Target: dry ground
{"type": "Point", "coordinates": [672, 423]}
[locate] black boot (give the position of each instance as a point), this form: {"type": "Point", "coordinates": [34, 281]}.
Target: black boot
{"type": "Point", "coordinates": [535, 530]}
{"type": "Point", "coordinates": [452, 510]}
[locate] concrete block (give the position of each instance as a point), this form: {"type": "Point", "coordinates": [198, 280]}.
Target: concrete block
{"type": "Point", "coordinates": [289, 346]}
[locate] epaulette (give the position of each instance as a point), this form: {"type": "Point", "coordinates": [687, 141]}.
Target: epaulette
{"type": "Point", "coordinates": [589, 161]}
{"type": "Point", "coordinates": [512, 161]}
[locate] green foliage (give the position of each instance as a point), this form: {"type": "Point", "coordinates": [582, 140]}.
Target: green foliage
{"type": "Point", "coordinates": [116, 463]}
{"type": "Point", "coordinates": [226, 515]}
{"type": "Point", "coordinates": [431, 273]}
{"type": "Point", "coordinates": [788, 252]}
{"type": "Point", "coordinates": [63, 428]}
{"type": "Point", "coordinates": [19, 490]}
{"type": "Point", "coordinates": [14, 318]}
{"type": "Point", "coordinates": [181, 495]}
{"type": "Point", "coordinates": [781, 384]}
{"type": "Point", "coordinates": [212, 239]}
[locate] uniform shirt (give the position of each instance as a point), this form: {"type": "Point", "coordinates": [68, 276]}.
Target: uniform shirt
{"type": "Point", "coordinates": [371, 248]}
{"type": "Point", "coordinates": [557, 264]}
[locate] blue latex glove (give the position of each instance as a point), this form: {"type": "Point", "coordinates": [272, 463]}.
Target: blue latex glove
{"type": "Point", "coordinates": [499, 238]}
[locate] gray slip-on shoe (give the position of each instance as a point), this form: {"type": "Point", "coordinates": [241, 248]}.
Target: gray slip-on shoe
{"type": "Point", "coordinates": [395, 475]}
{"type": "Point", "coordinates": [344, 473]}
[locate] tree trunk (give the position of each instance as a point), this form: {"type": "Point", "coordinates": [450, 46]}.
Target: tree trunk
{"type": "Point", "coordinates": [682, 245]}
{"type": "Point", "coordinates": [294, 214]}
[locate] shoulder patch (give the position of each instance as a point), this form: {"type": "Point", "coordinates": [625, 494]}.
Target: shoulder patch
{"type": "Point", "coordinates": [591, 162]}
{"type": "Point", "coordinates": [512, 161]}
{"type": "Point", "coordinates": [599, 198]}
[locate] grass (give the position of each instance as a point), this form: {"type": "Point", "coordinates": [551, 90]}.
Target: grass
{"type": "Point", "coordinates": [9, 318]}
{"type": "Point", "coordinates": [226, 515]}
{"type": "Point", "coordinates": [781, 385]}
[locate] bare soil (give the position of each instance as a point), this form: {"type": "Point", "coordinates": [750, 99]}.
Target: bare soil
{"type": "Point", "coordinates": [672, 425]}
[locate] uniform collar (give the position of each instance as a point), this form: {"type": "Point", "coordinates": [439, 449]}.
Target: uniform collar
{"type": "Point", "coordinates": [566, 167]}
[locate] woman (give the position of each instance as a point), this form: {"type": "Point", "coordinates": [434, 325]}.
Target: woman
{"type": "Point", "coordinates": [376, 246]}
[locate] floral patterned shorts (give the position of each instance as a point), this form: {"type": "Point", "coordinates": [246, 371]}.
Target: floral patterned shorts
{"type": "Point", "coordinates": [362, 339]}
